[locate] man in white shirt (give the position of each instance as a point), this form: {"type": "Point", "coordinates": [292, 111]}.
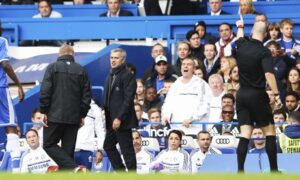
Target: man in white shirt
{"type": "Point", "coordinates": [90, 137]}
{"type": "Point", "coordinates": [143, 157]}
{"type": "Point", "coordinates": [187, 100]}
{"type": "Point", "coordinates": [198, 156]}
{"type": "Point", "coordinates": [216, 8]}
{"type": "Point", "coordinates": [35, 159]}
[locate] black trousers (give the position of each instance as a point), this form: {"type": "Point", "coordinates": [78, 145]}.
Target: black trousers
{"type": "Point", "coordinates": [67, 133]}
{"type": "Point", "coordinates": [124, 138]}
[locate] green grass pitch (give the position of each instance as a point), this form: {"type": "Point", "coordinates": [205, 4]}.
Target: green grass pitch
{"type": "Point", "coordinates": [129, 176]}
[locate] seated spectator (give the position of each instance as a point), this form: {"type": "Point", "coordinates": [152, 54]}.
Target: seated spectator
{"type": "Point", "coordinates": [161, 74]}
{"type": "Point", "coordinates": [293, 81]}
{"type": "Point", "coordinates": [246, 7]}
{"type": "Point", "coordinates": [227, 63]}
{"type": "Point", "coordinates": [36, 160]}
{"type": "Point", "coordinates": [139, 112]}
{"type": "Point", "coordinates": [187, 100]}
{"type": "Point", "coordinates": [38, 126]}
{"type": "Point", "coordinates": [226, 117]}
{"type": "Point", "coordinates": [233, 81]}
{"type": "Point", "coordinates": [163, 163]}
{"type": "Point", "coordinates": [196, 48]}
{"type": "Point", "coordinates": [290, 138]}
{"type": "Point", "coordinates": [156, 129]}
{"type": "Point", "coordinates": [16, 2]}
{"type": "Point", "coordinates": [259, 141]}
{"type": "Point", "coordinates": [200, 72]}
{"type": "Point", "coordinates": [197, 157]}
{"type": "Point", "coordinates": [211, 61]}
{"type": "Point", "coordinates": [228, 99]}
{"type": "Point", "coordinates": [216, 8]}
{"type": "Point", "coordinates": [46, 11]}
{"type": "Point", "coordinates": [224, 45]}
{"type": "Point", "coordinates": [288, 43]}
{"type": "Point", "coordinates": [143, 157]}
{"type": "Point", "coordinates": [164, 91]}
{"type": "Point", "coordinates": [114, 9]}
{"type": "Point", "coordinates": [152, 7]}
{"type": "Point", "coordinates": [292, 102]}
{"type": "Point", "coordinates": [140, 92]}
{"type": "Point", "coordinates": [93, 129]}
{"type": "Point", "coordinates": [151, 99]}
{"type": "Point", "coordinates": [279, 117]}
{"type": "Point", "coordinates": [205, 37]}
{"type": "Point", "coordinates": [80, 2]}
{"type": "Point", "coordinates": [183, 50]}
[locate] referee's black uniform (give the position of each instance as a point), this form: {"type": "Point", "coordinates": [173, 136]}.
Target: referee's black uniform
{"type": "Point", "coordinates": [254, 60]}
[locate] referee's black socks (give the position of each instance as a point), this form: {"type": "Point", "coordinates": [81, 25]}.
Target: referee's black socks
{"type": "Point", "coordinates": [242, 152]}
{"type": "Point", "coordinates": [272, 152]}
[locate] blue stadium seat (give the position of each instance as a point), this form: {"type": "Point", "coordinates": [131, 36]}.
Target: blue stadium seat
{"type": "Point", "coordinates": [151, 145]}
{"type": "Point", "coordinates": [5, 163]}
{"type": "Point", "coordinates": [188, 144]}
{"type": "Point", "coordinates": [228, 150]}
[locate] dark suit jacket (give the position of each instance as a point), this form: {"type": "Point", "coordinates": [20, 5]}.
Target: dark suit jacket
{"type": "Point", "coordinates": [222, 13]}
{"type": "Point", "coordinates": [152, 8]}
{"type": "Point", "coordinates": [119, 102]}
{"type": "Point", "coordinates": [122, 13]}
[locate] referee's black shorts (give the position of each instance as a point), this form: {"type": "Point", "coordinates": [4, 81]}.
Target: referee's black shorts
{"type": "Point", "coordinates": [253, 108]}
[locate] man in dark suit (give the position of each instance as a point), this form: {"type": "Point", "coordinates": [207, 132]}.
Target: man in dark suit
{"type": "Point", "coordinates": [114, 9]}
{"type": "Point", "coordinates": [119, 91]}
{"type": "Point", "coordinates": [216, 8]}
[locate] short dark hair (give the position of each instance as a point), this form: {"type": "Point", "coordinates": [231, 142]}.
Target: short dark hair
{"type": "Point", "coordinates": [35, 111]}
{"type": "Point", "coordinates": [225, 23]}
{"type": "Point", "coordinates": [295, 116]}
{"type": "Point", "coordinates": [179, 133]}
{"type": "Point", "coordinates": [31, 130]}
{"type": "Point", "coordinates": [230, 96]}
{"type": "Point", "coordinates": [293, 93]}
{"type": "Point", "coordinates": [190, 33]}
{"type": "Point", "coordinates": [202, 132]}
{"type": "Point", "coordinates": [280, 111]}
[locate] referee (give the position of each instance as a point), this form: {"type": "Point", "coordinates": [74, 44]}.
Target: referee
{"type": "Point", "coordinates": [255, 69]}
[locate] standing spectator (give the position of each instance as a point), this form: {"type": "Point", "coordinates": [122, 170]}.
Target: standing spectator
{"type": "Point", "coordinates": [273, 32]}
{"type": "Point", "coordinates": [65, 98]}
{"type": "Point", "coordinates": [279, 117]}
{"type": "Point", "coordinates": [161, 74]}
{"type": "Point", "coordinates": [198, 156]}
{"type": "Point", "coordinates": [288, 43]}
{"type": "Point", "coordinates": [114, 9]}
{"type": "Point", "coordinates": [216, 85]}
{"type": "Point", "coordinates": [164, 91]}
{"type": "Point", "coordinates": [93, 129]}
{"type": "Point", "coordinates": [183, 50]}
{"type": "Point", "coordinates": [227, 63]}
{"type": "Point", "coordinates": [255, 69]}
{"type": "Point", "coordinates": [187, 100]}
{"type": "Point", "coordinates": [151, 99]}
{"type": "Point", "coordinates": [227, 37]}
{"type": "Point", "coordinates": [157, 49]}
{"type": "Point", "coordinates": [259, 142]}
{"type": "Point", "coordinates": [46, 11]}
{"type": "Point", "coordinates": [35, 159]}
{"type": "Point", "coordinates": [293, 82]}
{"type": "Point", "coordinates": [205, 37]}
{"type": "Point", "coordinates": [289, 139]}
{"type": "Point", "coordinates": [143, 157]}
{"type": "Point", "coordinates": [165, 161]}
{"type": "Point", "coordinates": [120, 116]}
{"type": "Point", "coordinates": [196, 48]}
{"type": "Point", "coordinates": [140, 92]}
{"type": "Point", "coordinates": [8, 118]}
{"type": "Point", "coordinates": [211, 61]}
{"type": "Point", "coordinates": [216, 8]}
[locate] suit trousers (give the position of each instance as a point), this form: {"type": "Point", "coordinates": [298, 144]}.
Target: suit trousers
{"type": "Point", "coordinates": [67, 133]}
{"type": "Point", "coordinates": [124, 138]}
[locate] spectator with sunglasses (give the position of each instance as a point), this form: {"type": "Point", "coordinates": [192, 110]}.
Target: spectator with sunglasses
{"type": "Point", "coordinates": [227, 118]}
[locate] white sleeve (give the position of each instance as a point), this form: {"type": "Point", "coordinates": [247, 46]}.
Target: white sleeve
{"type": "Point", "coordinates": [24, 164]}
{"type": "Point", "coordinates": [169, 102]}
{"type": "Point", "coordinates": [100, 128]}
{"type": "Point", "coordinates": [203, 102]}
